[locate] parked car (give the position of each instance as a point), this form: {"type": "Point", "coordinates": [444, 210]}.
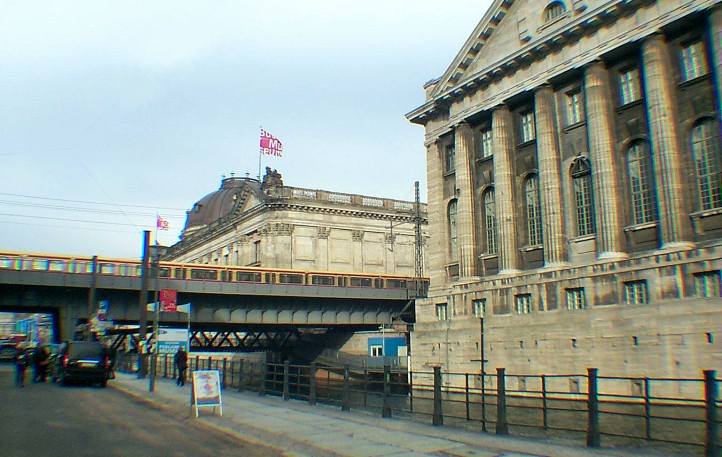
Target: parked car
{"type": "Point", "coordinates": [87, 361]}
{"type": "Point", "coordinates": [7, 350]}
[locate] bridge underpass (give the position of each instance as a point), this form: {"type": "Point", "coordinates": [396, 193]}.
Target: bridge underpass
{"type": "Point", "coordinates": [224, 316]}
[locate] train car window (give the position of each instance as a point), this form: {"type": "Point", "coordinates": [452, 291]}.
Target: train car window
{"type": "Point", "coordinates": [287, 278]}
{"type": "Point", "coordinates": [360, 282]}
{"type": "Point", "coordinates": [377, 283]}
{"type": "Point", "coordinates": [39, 264]}
{"type": "Point", "coordinates": [204, 274]}
{"type": "Point", "coordinates": [268, 278]}
{"type": "Point", "coordinates": [106, 269]}
{"type": "Point", "coordinates": [164, 272]}
{"type": "Point", "coordinates": [224, 275]}
{"type": "Point", "coordinates": [396, 283]}
{"type": "Point", "coordinates": [178, 273]}
{"type": "Point", "coordinates": [84, 267]}
{"type": "Point", "coordinates": [7, 262]}
{"type": "Point", "coordinates": [248, 276]}
{"type": "Point", "coordinates": [56, 265]}
{"type": "Point", "coordinates": [319, 280]}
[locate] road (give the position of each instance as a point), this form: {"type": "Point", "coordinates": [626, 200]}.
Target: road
{"type": "Point", "coordinates": [49, 420]}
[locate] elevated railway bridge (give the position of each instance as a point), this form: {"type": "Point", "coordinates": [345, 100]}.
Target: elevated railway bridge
{"type": "Point", "coordinates": [232, 308]}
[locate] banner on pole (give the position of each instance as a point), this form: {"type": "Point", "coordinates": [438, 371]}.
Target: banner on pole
{"type": "Point", "coordinates": [207, 390]}
{"type": "Point", "coordinates": [270, 145]}
{"type": "Point", "coordinates": [168, 300]}
{"type": "Point", "coordinates": [160, 223]}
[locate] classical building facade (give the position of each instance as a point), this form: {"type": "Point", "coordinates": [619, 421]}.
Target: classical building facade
{"type": "Point", "coordinates": [573, 162]}
{"type": "Point", "coordinates": [248, 222]}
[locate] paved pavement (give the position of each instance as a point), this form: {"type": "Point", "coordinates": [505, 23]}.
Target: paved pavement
{"type": "Point", "coordinates": [296, 428]}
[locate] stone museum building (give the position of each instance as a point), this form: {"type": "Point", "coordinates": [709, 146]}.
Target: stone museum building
{"type": "Point", "coordinates": [574, 170]}
{"type": "Point", "coordinates": [248, 222]}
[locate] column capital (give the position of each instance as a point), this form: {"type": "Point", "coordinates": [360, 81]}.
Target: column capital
{"type": "Point", "coordinates": [543, 87]}
{"type": "Point", "coordinates": [462, 124]}
{"type": "Point", "coordinates": [654, 37]}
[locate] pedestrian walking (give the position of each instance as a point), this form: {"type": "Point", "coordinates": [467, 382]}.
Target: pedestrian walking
{"type": "Point", "coordinates": [41, 358]}
{"type": "Point", "coordinates": [180, 359]}
{"type": "Point", "coordinates": [21, 363]}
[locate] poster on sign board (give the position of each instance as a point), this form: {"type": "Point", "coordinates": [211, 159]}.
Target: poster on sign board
{"type": "Point", "coordinates": [207, 390]}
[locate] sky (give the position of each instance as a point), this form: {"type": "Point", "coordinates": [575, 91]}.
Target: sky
{"type": "Point", "coordinates": [114, 112]}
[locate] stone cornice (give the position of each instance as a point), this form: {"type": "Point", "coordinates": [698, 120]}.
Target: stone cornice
{"type": "Point", "coordinates": [639, 32]}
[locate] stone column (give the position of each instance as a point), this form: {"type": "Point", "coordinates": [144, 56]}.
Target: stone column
{"type": "Point", "coordinates": [666, 150]}
{"type": "Point", "coordinates": [600, 117]}
{"type": "Point", "coordinates": [549, 159]}
{"type": "Point", "coordinates": [503, 140]}
{"type": "Point", "coordinates": [464, 144]}
{"type": "Point", "coordinates": [435, 254]}
{"type": "Point", "coordinates": [715, 33]}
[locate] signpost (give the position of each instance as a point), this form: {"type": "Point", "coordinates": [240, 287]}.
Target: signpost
{"type": "Point", "coordinates": [207, 390]}
{"type": "Point", "coordinates": [170, 339]}
{"type": "Point", "coordinates": [168, 300]}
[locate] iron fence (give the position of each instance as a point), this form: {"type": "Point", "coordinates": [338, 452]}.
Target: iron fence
{"type": "Point", "coordinates": [674, 411]}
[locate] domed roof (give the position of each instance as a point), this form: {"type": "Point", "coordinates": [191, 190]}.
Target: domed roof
{"type": "Point", "coordinates": [219, 203]}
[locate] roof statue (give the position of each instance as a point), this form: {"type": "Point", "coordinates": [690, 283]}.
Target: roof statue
{"type": "Point", "coordinates": [272, 178]}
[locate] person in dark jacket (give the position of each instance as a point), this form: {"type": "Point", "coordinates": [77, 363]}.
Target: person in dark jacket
{"type": "Point", "coordinates": [41, 357]}
{"type": "Point", "coordinates": [21, 363]}
{"type": "Point", "coordinates": [181, 362]}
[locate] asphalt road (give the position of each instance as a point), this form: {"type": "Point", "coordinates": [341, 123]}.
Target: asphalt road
{"type": "Point", "coordinates": [49, 420]}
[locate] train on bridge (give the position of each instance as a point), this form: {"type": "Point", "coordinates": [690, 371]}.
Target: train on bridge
{"type": "Point", "coordinates": [206, 272]}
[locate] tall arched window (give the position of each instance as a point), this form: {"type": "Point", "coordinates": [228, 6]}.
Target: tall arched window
{"type": "Point", "coordinates": [452, 229]}
{"type": "Point", "coordinates": [533, 211]}
{"type": "Point", "coordinates": [640, 183]}
{"type": "Point", "coordinates": [582, 180]}
{"type": "Point", "coordinates": [706, 153]}
{"type": "Point", "coordinates": [553, 11]}
{"type": "Point", "coordinates": [490, 219]}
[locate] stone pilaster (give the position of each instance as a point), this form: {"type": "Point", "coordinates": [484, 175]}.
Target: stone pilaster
{"type": "Point", "coordinates": [555, 250]}
{"type": "Point", "coordinates": [503, 140]}
{"type": "Point", "coordinates": [715, 32]}
{"type": "Point", "coordinates": [666, 150]}
{"type": "Point", "coordinates": [600, 116]}
{"type": "Point", "coordinates": [435, 255]}
{"type": "Point", "coordinates": [465, 200]}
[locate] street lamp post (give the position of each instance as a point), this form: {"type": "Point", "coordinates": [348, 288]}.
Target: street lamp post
{"type": "Point", "coordinates": [152, 354]}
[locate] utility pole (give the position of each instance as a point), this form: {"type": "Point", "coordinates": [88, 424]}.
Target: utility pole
{"type": "Point", "coordinates": [418, 240]}
{"type": "Point", "coordinates": [143, 302]}
{"type": "Point", "coordinates": [152, 354]}
{"type": "Point", "coordinates": [91, 296]}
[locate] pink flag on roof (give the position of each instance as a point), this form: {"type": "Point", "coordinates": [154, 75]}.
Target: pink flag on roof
{"type": "Point", "coordinates": [270, 145]}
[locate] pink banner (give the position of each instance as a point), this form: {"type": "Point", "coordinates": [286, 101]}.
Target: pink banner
{"type": "Point", "coordinates": [270, 145]}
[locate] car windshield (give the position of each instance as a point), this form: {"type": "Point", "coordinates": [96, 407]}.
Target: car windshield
{"type": "Point", "coordinates": [86, 351]}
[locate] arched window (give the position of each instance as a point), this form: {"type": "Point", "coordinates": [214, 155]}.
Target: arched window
{"type": "Point", "coordinates": [553, 11]}
{"type": "Point", "coordinates": [452, 229]}
{"type": "Point", "coordinates": [533, 211]}
{"type": "Point", "coordinates": [582, 180]}
{"type": "Point", "coordinates": [640, 183]}
{"type": "Point", "coordinates": [706, 153]}
{"type": "Point", "coordinates": [490, 218]}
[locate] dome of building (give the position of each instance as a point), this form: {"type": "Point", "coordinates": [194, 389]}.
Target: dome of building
{"type": "Point", "coordinates": [220, 203]}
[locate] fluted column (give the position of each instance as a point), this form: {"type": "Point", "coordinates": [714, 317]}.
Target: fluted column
{"type": "Point", "coordinates": [464, 144]}
{"type": "Point", "coordinates": [436, 252]}
{"type": "Point", "coordinates": [600, 116]}
{"type": "Point", "coordinates": [715, 32]}
{"type": "Point", "coordinates": [547, 150]}
{"type": "Point", "coordinates": [666, 150]}
{"type": "Point", "coordinates": [503, 139]}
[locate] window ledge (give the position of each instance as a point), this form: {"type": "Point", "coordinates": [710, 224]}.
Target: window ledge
{"type": "Point", "coordinates": [629, 105]}
{"type": "Point", "coordinates": [693, 81]}
{"type": "Point", "coordinates": [449, 173]}
{"type": "Point", "coordinates": [484, 159]}
{"type": "Point", "coordinates": [533, 247]}
{"type": "Point", "coordinates": [526, 143]}
{"type": "Point", "coordinates": [574, 126]}
{"type": "Point", "coordinates": [637, 227]}
{"type": "Point", "coordinates": [706, 213]}
{"type": "Point", "coordinates": [580, 239]}
{"type": "Point", "coordinates": [488, 256]}
{"type": "Point", "coordinates": [554, 21]}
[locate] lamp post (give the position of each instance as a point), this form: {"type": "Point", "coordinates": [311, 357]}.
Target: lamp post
{"type": "Point", "coordinates": [152, 353]}
{"type": "Point", "coordinates": [482, 361]}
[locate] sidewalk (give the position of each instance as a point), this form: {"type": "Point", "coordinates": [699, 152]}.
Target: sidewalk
{"type": "Point", "coordinates": [298, 429]}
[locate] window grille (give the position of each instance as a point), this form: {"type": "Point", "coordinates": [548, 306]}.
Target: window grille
{"type": "Point", "coordinates": [533, 211]}
{"type": "Point", "coordinates": [575, 108]}
{"type": "Point", "coordinates": [707, 284]}
{"type": "Point", "coordinates": [523, 303]}
{"type": "Point", "coordinates": [693, 61]}
{"type": "Point", "coordinates": [640, 183]}
{"type": "Point", "coordinates": [441, 312]}
{"type": "Point", "coordinates": [452, 229]}
{"type": "Point", "coordinates": [527, 127]}
{"type": "Point", "coordinates": [576, 298]}
{"type": "Point", "coordinates": [479, 307]}
{"type": "Point", "coordinates": [582, 180]}
{"type": "Point", "coordinates": [629, 88]}
{"type": "Point", "coordinates": [485, 144]}
{"type": "Point", "coordinates": [635, 293]}
{"type": "Point", "coordinates": [490, 215]}
{"type": "Point", "coordinates": [450, 157]}
{"type": "Point", "coordinates": [706, 153]}
{"type": "Point", "coordinates": [553, 11]}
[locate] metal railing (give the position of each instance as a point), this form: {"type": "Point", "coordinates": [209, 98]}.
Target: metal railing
{"type": "Point", "coordinates": [671, 411]}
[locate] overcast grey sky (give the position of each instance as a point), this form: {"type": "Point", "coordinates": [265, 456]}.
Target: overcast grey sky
{"type": "Point", "coordinates": [113, 111]}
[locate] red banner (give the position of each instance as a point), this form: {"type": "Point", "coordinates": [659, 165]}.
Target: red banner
{"type": "Point", "coordinates": [168, 300]}
{"type": "Point", "coordinates": [270, 145]}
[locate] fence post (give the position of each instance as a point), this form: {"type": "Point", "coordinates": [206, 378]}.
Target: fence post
{"type": "Point", "coordinates": [210, 364]}
{"type": "Point", "coordinates": [312, 384]}
{"type": "Point", "coordinates": [438, 416]}
{"type": "Point", "coordinates": [411, 391]}
{"type": "Point", "coordinates": [483, 401]}
{"type": "Point", "coordinates": [264, 373]}
{"type": "Point", "coordinates": [345, 399]}
{"type": "Point", "coordinates": [545, 412]}
{"type": "Point", "coordinates": [286, 369]}
{"type": "Point", "coordinates": [198, 358]}
{"type": "Point", "coordinates": [224, 374]}
{"type": "Point", "coordinates": [386, 409]}
{"type": "Point", "coordinates": [466, 391]}
{"type": "Point", "coordinates": [366, 386]}
{"type": "Point", "coordinates": [593, 435]}
{"type": "Point", "coordinates": [647, 411]}
{"type": "Point", "coordinates": [165, 365]}
{"type": "Point", "coordinates": [711, 442]}
{"type": "Point", "coordinates": [240, 375]}
{"type": "Point", "coordinates": [502, 428]}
